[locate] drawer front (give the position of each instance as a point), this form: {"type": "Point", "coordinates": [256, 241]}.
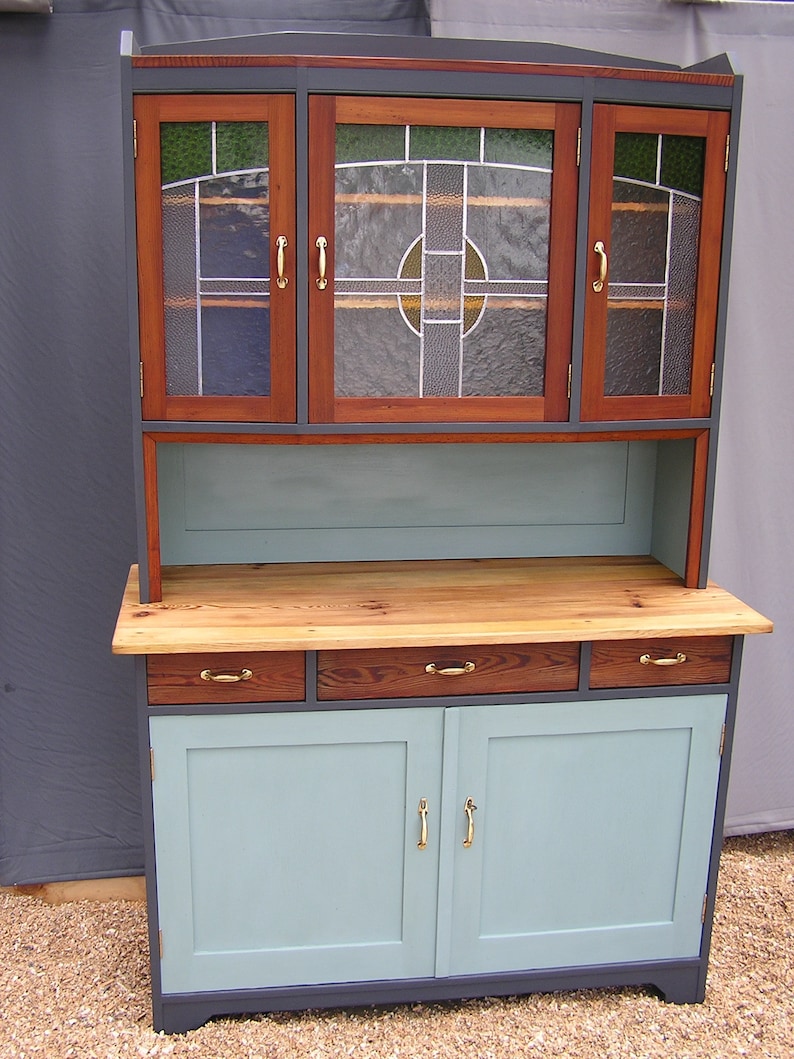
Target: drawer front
{"type": "Point", "coordinates": [259, 676]}
{"type": "Point", "coordinates": [661, 662]}
{"type": "Point", "coordinates": [385, 673]}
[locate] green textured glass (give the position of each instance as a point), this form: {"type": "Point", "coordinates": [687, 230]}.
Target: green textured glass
{"type": "Point", "coordinates": [185, 150]}
{"type": "Point", "coordinates": [369, 143]}
{"type": "Point", "coordinates": [240, 145]}
{"type": "Point", "coordinates": [636, 155]}
{"type": "Point", "coordinates": [683, 162]}
{"type": "Point", "coordinates": [530, 147]}
{"type": "Point", "coordinates": [449, 142]}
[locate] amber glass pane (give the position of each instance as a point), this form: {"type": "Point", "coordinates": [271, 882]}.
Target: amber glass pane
{"type": "Point", "coordinates": [656, 204]}
{"type": "Point", "coordinates": [216, 252]}
{"type": "Point", "coordinates": [441, 269]}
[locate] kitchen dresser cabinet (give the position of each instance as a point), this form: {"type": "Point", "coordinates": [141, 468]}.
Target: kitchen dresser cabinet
{"type": "Point", "coordinates": [436, 697]}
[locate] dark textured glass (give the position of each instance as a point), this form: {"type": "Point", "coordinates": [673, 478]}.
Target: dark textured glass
{"type": "Point", "coordinates": [634, 340]}
{"type": "Point", "coordinates": [683, 162]}
{"type": "Point", "coordinates": [235, 226]}
{"type": "Point", "coordinates": [185, 150]}
{"type": "Point", "coordinates": [504, 356]}
{"type": "Point", "coordinates": [240, 145]}
{"type": "Point", "coordinates": [636, 155]}
{"type": "Point", "coordinates": [639, 234]}
{"type": "Point", "coordinates": [374, 352]}
{"type": "Point", "coordinates": [378, 215]}
{"type": "Point", "coordinates": [507, 219]}
{"type": "Point", "coordinates": [369, 143]}
{"type": "Point", "coordinates": [235, 343]}
{"type": "Point", "coordinates": [529, 147]}
{"type": "Point", "coordinates": [436, 142]}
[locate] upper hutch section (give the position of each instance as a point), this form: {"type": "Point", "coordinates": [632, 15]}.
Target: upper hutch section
{"type": "Point", "coordinates": [341, 234]}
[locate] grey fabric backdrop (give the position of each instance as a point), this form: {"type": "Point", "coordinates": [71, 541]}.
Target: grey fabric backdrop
{"type": "Point", "coordinates": [68, 763]}
{"type": "Point", "coordinates": [69, 792]}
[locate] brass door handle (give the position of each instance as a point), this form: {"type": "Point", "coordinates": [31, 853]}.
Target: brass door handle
{"type": "Point", "coordinates": [468, 809]}
{"type": "Point", "coordinates": [422, 843]}
{"type": "Point", "coordinates": [646, 660]}
{"type": "Point", "coordinates": [321, 243]}
{"type": "Point", "coordinates": [281, 279]}
{"type": "Point", "coordinates": [450, 671]}
{"type": "Point", "coordinates": [600, 249]}
{"type": "Point", "coordinates": [226, 678]}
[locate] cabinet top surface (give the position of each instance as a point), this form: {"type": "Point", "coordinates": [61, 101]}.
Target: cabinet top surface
{"type": "Point", "coordinates": [392, 51]}
{"type": "Point", "coordinates": [315, 606]}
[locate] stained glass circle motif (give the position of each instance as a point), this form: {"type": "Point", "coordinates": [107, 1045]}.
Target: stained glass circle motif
{"type": "Point", "coordinates": [411, 304]}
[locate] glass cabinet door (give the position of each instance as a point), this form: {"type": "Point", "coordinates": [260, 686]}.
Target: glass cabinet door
{"type": "Point", "coordinates": [216, 252]}
{"type": "Point", "coordinates": [441, 251]}
{"type": "Point", "coordinates": [654, 244]}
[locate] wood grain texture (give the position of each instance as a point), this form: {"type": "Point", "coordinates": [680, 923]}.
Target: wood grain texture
{"type": "Point", "coordinates": [690, 77]}
{"type": "Point", "coordinates": [325, 606]}
{"type": "Point", "coordinates": [616, 663]}
{"type": "Point", "coordinates": [278, 676]}
{"type": "Point", "coordinates": [384, 673]}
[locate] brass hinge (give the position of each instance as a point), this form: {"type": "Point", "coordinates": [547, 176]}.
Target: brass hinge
{"type": "Point", "coordinates": [134, 138]}
{"type": "Point", "coordinates": [151, 763]}
{"type": "Point", "coordinates": [711, 380]}
{"type": "Point", "coordinates": [579, 146]}
{"type": "Point", "coordinates": [570, 378]}
{"type": "Point", "coordinates": [703, 909]}
{"type": "Point", "coordinates": [160, 943]}
{"type": "Point", "coordinates": [722, 739]}
{"type": "Point", "coordinates": [727, 150]}
{"type": "Point", "coordinates": [140, 376]}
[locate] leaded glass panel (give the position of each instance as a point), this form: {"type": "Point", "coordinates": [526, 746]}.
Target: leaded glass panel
{"type": "Point", "coordinates": [456, 241]}
{"type": "Point", "coordinates": [656, 211]}
{"type": "Point", "coordinates": [216, 258]}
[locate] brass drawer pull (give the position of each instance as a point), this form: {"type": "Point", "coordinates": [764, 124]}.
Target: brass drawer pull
{"type": "Point", "coordinates": [468, 809]}
{"type": "Point", "coordinates": [646, 660]}
{"type": "Point", "coordinates": [226, 678]}
{"type": "Point", "coordinates": [451, 671]}
{"type": "Point", "coordinates": [422, 843]}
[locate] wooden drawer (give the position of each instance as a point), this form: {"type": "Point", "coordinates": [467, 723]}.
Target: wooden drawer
{"type": "Point", "coordinates": [385, 673]}
{"type": "Point", "coordinates": [275, 676]}
{"type": "Point", "coordinates": [661, 662]}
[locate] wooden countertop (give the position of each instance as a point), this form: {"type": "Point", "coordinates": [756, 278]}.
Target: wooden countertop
{"type": "Point", "coordinates": [312, 606]}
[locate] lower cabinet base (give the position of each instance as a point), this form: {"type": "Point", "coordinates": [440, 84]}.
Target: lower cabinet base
{"type": "Point", "coordinates": [677, 981]}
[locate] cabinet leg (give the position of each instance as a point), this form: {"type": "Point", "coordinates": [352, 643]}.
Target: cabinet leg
{"type": "Point", "coordinates": [683, 986]}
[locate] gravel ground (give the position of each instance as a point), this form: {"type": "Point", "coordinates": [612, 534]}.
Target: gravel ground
{"type": "Point", "coordinates": [74, 983]}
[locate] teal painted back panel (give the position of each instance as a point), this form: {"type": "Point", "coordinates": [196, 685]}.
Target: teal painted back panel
{"type": "Point", "coordinates": [593, 832]}
{"type": "Point", "coordinates": [285, 503]}
{"type": "Point", "coordinates": [671, 503]}
{"type": "Point", "coordinates": [287, 847]}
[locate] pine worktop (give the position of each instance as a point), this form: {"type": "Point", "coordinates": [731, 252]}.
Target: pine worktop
{"type": "Point", "coordinates": [318, 606]}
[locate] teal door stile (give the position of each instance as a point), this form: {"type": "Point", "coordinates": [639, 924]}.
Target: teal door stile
{"type": "Point", "coordinates": [287, 846]}
{"type": "Point", "coordinates": [591, 834]}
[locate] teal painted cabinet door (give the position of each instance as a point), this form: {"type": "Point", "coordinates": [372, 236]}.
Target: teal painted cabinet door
{"type": "Point", "coordinates": [591, 837]}
{"type": "Point", "coordinates": [287, 847]}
